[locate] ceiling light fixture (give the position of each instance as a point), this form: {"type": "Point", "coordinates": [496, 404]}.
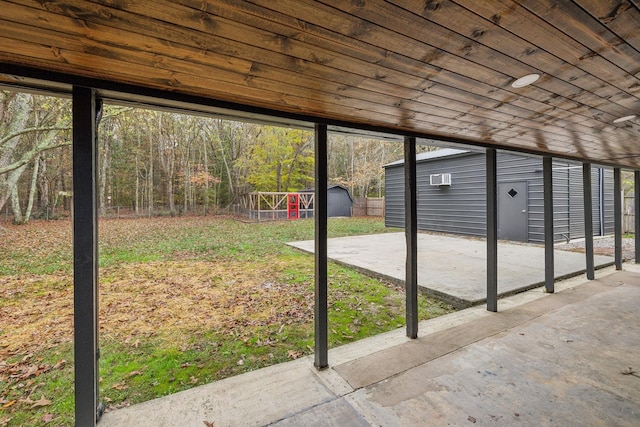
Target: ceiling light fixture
{"type": "Point", "coordinates": [624, 119]}
{"type": "Point", "coordinates": [525, 80]}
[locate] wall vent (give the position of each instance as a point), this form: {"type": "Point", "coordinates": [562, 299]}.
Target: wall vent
{"type": "Point", "coordinates": [440, 179]}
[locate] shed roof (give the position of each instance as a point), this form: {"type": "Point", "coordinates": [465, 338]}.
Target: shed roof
{"type": "Point", "coordinates": [400, 66]}
{"type": "Point", "coordinates": [432, 155]}
{"type": "Point", "coordinates": [329, 187]}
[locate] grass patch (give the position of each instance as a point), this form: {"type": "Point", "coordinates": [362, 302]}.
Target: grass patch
{"type": "Point", "coordinates": [183, 302]}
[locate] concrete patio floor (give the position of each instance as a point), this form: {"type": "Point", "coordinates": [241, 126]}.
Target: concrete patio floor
{"type": "Point", "coordinates": [452, 268]}
{"type": "Point", "coordinates": [566, 359]}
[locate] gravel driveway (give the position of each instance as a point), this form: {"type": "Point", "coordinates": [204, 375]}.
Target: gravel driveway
{"type": "Point", "coordinates": [603, 246]}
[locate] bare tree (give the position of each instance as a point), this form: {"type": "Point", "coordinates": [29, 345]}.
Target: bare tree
{"type": "Point", "coordinates": [29, 126]}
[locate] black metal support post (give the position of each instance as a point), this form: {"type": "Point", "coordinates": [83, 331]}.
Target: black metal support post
{"type": "Point", "coordinates": [321, 277]}
{"type": "Point", "coordinates": [617, 220]}
{"type": "Point", "coordinates": [411, 233]}
{"type": "Point", "coordinates": [492, 231]}
{"type": "Point", "coordinates": [85, 257]}
{"type": "Point", "coordinates": [636, 219]}
{"type": "Point", "coordinates": [549, 267]}
{"type": "Point", "coordinates": [588, 220]}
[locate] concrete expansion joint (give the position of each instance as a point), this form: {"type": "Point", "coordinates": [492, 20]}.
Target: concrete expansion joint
{"type": "Point", "coordinates": [305, 410]}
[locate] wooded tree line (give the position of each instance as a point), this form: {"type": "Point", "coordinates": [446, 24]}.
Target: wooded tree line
{"type": "Point", "coordinates": [153, 162]}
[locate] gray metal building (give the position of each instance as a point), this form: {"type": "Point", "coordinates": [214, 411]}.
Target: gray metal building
{"type": "Point", "coordinates": [339, 201]}
{"type": "Point", "coordinates": [451, 196]}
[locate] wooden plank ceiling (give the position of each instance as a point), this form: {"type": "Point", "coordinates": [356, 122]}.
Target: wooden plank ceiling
{"type": "Point", "coordinates": [435, 68]}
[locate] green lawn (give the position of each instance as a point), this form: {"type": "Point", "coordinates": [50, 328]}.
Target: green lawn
{"type": "Point", "coordinates": [183, 301]}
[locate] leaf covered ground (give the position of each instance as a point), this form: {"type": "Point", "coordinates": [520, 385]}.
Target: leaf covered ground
{"type": "Point", "coordinates": [183, 301]}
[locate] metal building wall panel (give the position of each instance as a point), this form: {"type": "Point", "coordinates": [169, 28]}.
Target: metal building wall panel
{"type": "Point", "coordinates": [595, 201]}
{"type": "Point", "coordinates": [561, 218]}
{"type": "Point", "coordinates": [461, 207]}
{"type": "Point", "coordinates": [394, 197]}
{"type": "Point", "coordinates": [608, 201]}
{"type": "Point", "coordinates": [560, 204]}
{"type": "Point", "coordinates": [576, 208]}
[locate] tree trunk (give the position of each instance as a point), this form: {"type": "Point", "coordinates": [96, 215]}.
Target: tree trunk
{"type": "Point", "coordinates": [232, 186]}
{"type": "Point", "coordinates": [43, 185]}
{"type": "Point", "coordinates": [150, 179]}
{"type": "Point", "coordinates": [167, 158]}
{"type": "Point", "coordinates": [137, 183]}
{"type": "Point", "coordinates": [21, 108]}
{"type": "Point", "coordinates": [32, 190]}
{"type": "Point", "coordinates": [279, 176]}
{"type": "Point", "coordinates": [353, 178]}
{"type": "Point", "coordinates": [14, 194]}
{"type": "Point", "coordinates": [206, 175]}
{"type": "Point", "coordinates": [15, 206]}
{"type": "Point", "coordinates": [104, 169]}
{"type": "Point", "coordinates": [187, 180]}
{"type": "Point", "coordinates": [170, 199]}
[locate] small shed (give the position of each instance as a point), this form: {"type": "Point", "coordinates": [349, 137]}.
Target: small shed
{"type": "Point", "coordinates": [452, 197]}
{"type": "Point", "coordinates": [339, 200]}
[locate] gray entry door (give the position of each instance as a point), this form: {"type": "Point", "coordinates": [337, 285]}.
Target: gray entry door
{"type": "Point", "coordinates": [512, 211]}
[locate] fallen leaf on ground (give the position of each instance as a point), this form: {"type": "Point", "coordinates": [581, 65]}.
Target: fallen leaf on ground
{"type": "Point", "coordinates": [294, 354]}
{"type": "Point", "coordinates": [4, 422]}
{"type": "Point", "coordinates": [9, 403]}
{"type": "Point", "coordinates": [41, 402]}
{"type": "Point", "coordinates": [134, 373]}
{"type": "Point", "coordinates": [47, 418]}
{"type": "Point", "coordinates": [120, 386]}
{"type": "Point", "coordinates": [209, 424]}
{"type": "Point", "coordinates": [31, 371]}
